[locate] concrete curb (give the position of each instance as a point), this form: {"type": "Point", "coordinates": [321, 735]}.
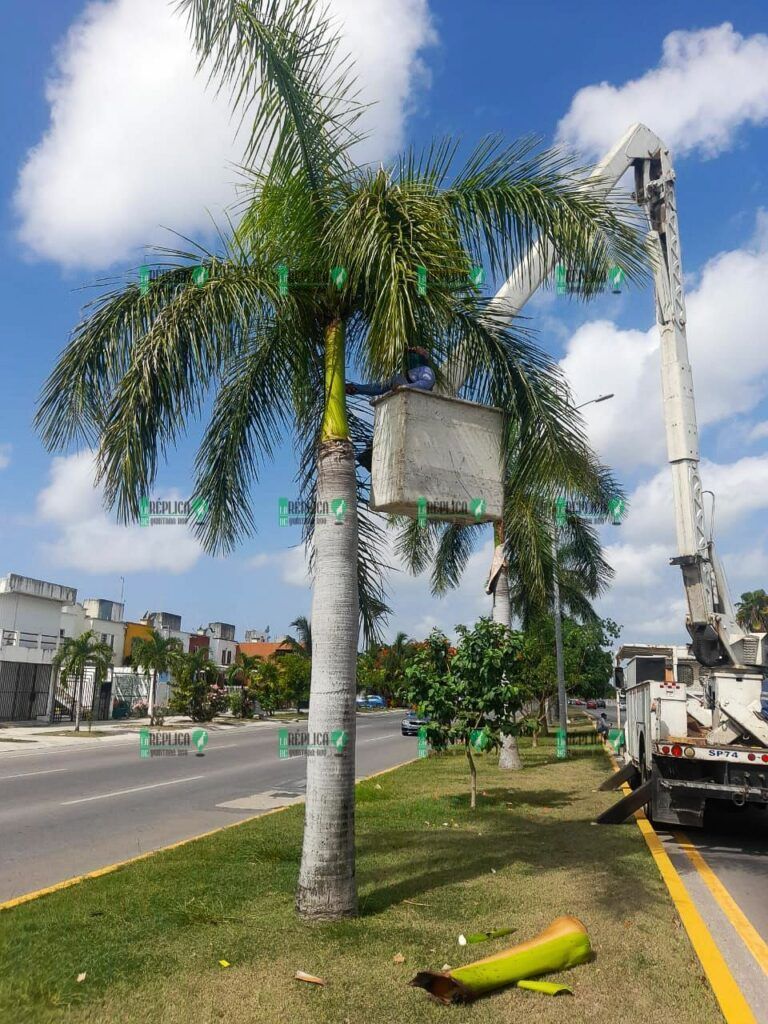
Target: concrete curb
{"type": "Point", "coordinates": [99, 872]}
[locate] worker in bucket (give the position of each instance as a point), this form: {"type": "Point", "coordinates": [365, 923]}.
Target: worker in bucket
{"type": "Point", "coordinates": [419, 375]}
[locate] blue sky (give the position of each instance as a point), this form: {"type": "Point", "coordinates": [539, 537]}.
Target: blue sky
{"type": "Point", "coordinates": [107, 137]}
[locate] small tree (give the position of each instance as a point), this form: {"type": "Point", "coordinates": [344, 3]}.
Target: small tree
{"type": "Point", "coordinates": [472, 696]}
{"type": "Point", "coordinates": [154, 654]}
{"type": "Point", "coordinates": [295, 673]}
{"type": "Point", "coordinates": [197, 690]}
{"type": "Point", "coordinates": [73, 658]}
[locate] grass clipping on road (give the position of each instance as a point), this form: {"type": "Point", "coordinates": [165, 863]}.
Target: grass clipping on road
{"type": "Point", "coordinates": [150, 937]}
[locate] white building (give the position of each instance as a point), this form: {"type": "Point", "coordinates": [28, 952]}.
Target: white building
{"type": "Point", "coordinates": [223, 646]}
{"type": "Point", "coordinates": [30, 634]}
{"type": "Point", "coordinates": [35, 618]}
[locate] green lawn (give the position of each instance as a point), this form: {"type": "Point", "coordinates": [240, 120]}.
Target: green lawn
{"type": "Point", "coordinates": [149, 937]}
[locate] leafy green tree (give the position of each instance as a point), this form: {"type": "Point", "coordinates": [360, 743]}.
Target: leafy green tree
{"type": "Point", "coordinates": [752, 611]}
{"type": "Point", "coordinates": [295, 671]}
{"type": "Point", "coordinates": [472, 697]}
{"type": "Point", "coordinates": [75, 656]}
{"type": "Point", "coordinates": [264, 333]}
{"type": "Point", "coordinates": [154, 655]}
{"type": "Point", "coordinates": [586, 655]}
{"type": "Point", "coordinates": [197, 690]}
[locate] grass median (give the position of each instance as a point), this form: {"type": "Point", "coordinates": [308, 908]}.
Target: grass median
{"type": "Point", "coordinates": [149, 937]}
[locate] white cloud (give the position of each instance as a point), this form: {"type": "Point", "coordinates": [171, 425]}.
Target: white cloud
{"type": "Point", "coordinates": [708, 83]}
{"type": "Point", "coordinates": [728, 346]}
{"type": "Point", "coordinates": [758, 432]}
{"type": "Point", "coordinates": [290, 564]}
{"type": "Point", "coordinates": [136, 142]}
{"type": "Point", "coordinates": [5, 456]}
{"type": "Point", "coordinates": [88, 539]}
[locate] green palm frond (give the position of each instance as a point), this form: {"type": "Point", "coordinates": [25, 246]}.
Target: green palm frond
{"type": "Point", "coordinates": [280, 61]}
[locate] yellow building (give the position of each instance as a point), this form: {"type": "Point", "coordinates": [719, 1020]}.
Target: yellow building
{"type": "Point", "coordinates": [132, 631]}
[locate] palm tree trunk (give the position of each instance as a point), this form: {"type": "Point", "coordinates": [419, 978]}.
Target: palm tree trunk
{"type": "Point", "coordinates": [509, 755]}
{"type": "Point", "coordinates": [78, 699]}
{"type": "Point", "coordinates": [326, 887]}
{"type": "Point", "coordinates": [151, 699]}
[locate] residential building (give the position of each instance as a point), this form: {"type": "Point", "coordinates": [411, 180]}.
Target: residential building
{"type": "Point", "coordinates": [223, 646]}
{"type": "Point", "coordinates": [30, 635]}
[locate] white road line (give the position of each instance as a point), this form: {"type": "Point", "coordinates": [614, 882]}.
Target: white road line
{"type": "Point", "coordinates": [134, 789]}
{"type": "Point", "coordinates": [24, 775]}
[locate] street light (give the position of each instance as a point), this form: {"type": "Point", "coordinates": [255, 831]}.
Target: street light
{"type": "Point", "coordinates": [562, 746]}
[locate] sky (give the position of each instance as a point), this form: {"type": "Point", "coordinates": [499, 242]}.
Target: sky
{"type": "Point", "coordinates": [111, 142]}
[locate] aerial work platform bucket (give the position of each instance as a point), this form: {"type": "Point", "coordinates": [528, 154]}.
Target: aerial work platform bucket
{"type": "Point", "coordinates": [436, 457]}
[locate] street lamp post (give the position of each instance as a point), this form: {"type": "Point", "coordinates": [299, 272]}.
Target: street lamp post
{"type": "Point", "coordinates": [562, 746]}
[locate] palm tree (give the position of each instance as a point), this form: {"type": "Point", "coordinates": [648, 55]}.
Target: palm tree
{"type": "Point", "coordinates": [244, 666]}
{"type": "Point", "coordinates": [304, 629]}
{"type": "Point", "coordinates": [243, 673]}
{"type": "Point", "coordinates": [73, 658]}
{"type": "Point", "coordinates": [268, 326]}
{"type": "Point", "coordinates": [154, 654]}
{"type": "Point", "coordinates": [752, 611]}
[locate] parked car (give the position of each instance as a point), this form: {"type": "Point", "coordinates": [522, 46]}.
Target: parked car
{"type": "Point", "coordinates": [600, 702]}
{"type": "Point", "coordinates": [411, 724]}
{"type": "Point", "coordinates": [373, 700]}
{"type": "Point", "coordinates": [591, 705]}
{"type": "Point", "coordinates": [578, 701]}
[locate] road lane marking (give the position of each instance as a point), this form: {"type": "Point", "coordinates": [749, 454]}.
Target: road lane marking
{"type": "Point", "coordinates": [99, 872]}
{"type": "Point", "coordinates": [25, 775]}
{"type": "Point", "coordinates": [134, 789]}
{"type": "Point", "coordinates": [733, 1004]}
{"type": "Point", "coordinates": [746, 931]}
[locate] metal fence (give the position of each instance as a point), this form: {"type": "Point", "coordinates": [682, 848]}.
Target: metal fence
{"type": "Point", "coordinates": [24, 690]}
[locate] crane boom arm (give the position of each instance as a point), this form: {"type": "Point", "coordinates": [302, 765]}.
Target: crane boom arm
{"type": "Point", "coordinates": [716, 636]}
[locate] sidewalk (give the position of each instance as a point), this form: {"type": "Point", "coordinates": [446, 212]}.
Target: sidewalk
{"type": "Point", "coordinates": [18, 738]}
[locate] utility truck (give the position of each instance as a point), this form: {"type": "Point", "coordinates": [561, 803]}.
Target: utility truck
{"type": "Point", "coordinates": [695, 732]}
{"type": "Point", "coordinates": [694, 724]}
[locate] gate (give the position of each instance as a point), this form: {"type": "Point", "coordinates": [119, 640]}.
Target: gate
{"type": "Point", "coordinates": [23, 690]}
{"type": "Point", "coordinates": [95, 698]}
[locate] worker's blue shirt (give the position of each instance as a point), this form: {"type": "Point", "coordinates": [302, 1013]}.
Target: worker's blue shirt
{"type": "Point", "coordinates": [422, 377]}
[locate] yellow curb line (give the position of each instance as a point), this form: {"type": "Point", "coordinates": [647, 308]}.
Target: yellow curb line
{"type": "Point", "coordinates": [746, 931]}
{"type": "Point", "coordinates": [733, 1005]}
{"type": "Point", "coordinates": [68, 882]}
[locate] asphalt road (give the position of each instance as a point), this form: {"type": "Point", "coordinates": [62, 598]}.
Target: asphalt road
{"type": "Point", "coordinates": [733, 846]}
{"type": "Point", "coordinates": [65, 812]}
